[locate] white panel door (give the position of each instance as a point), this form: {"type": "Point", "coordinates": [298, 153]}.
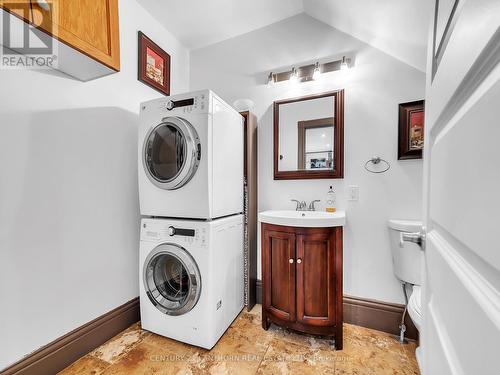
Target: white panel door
{"type": "Point", "coordinates": [461, 329]}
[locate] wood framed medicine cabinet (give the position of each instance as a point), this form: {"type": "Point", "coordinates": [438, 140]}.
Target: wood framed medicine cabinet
{"type": "Point", "coordinates": [292, 118]}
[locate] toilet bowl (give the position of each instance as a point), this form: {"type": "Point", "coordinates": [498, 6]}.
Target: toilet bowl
{"type": "Point", "coordinates": [415, 307]}
{"type": "Point", "coordinates": [407, 260]}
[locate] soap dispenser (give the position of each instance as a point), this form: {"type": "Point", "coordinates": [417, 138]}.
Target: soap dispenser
{"type": "Point", "coordinates": [330, 200]}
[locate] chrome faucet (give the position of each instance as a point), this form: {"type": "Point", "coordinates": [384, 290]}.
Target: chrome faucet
{"type": "Point", "coordinates": [301, 206]}
{"type": "Point", "coordinates": [311, 205]}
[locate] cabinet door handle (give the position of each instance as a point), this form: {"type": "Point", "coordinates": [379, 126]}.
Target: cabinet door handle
{"type": "Point", "coordinates": [290, 260]}
{"type": "Point", "coordinates": [299, 260]}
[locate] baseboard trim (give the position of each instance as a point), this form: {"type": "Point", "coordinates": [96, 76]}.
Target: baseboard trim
{"type": "Point", "coordinates": [382, 316]}
{"type": "Point", "coordinates": [60, 353]}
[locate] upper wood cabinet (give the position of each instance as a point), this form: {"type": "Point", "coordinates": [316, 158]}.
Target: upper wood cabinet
{"type": "Point", "coordinates": [302, 279]}
{"type": "Point", "coordinates": [89, 26]}
{"type": "Point", "coordinates": [20, 8]}
{"type": "Point", "coordinates": [86, 32]}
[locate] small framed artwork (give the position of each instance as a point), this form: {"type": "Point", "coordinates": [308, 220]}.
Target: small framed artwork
{"type": "Point", "coordinates": [154, 65]}
{"type": "Point", "coordinates": [411, 130]}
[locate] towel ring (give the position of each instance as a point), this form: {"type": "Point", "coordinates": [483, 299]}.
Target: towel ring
{"type": "Point", "coordinates": [377, 160]}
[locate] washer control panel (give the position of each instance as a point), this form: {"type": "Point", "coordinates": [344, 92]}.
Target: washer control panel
{"type": "Point", "coordinates": [153, 230]}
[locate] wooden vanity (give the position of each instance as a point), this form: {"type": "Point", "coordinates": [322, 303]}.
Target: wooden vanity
{"type": "Point", "coordinates": [302, 279]}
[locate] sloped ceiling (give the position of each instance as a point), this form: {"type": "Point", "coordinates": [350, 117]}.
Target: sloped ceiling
{"type": "Point", "coordinates": [198, 23]}
{"type": "Point", "coordinates": [397, 27]}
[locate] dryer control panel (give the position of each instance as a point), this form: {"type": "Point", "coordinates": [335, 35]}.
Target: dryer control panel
{"type": "Point", "coordinates": [196, 103]}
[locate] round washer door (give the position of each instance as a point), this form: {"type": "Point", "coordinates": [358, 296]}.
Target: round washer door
{"type": "Point", "coordinates": [171, 153]}
{"type": "Point", "coordinates": [172, 279]}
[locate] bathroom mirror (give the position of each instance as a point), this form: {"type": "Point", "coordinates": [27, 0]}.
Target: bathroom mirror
{"type": "Point", "coordinates": [309, 137]}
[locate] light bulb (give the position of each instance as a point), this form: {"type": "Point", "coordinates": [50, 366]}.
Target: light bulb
{"type": "Point", "coordinates": [316, 73]}
{"type": "Point", "coordinates": [294, 76]}
{"type": "Point", "coordinates": [270, 80]}
{"type": "Point", "coordinates": [343, 64]}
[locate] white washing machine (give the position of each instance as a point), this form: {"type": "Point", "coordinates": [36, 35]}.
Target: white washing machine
{"type": "Point", "coordinates": [191, 277]}
{"type": "Point", "coordinates": [190, 157]}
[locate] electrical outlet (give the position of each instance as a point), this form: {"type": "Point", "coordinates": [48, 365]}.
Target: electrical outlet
{"type": "Point", "coordinates": [353, 193]}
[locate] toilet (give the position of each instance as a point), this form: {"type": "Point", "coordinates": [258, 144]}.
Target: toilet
{"type": "Point", "coordinates": [407, 261]}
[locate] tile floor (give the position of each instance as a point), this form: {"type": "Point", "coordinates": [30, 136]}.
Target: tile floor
{"type": "Point", "coordinates": [246, 348]}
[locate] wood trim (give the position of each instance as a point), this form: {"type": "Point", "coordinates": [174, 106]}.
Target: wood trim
{"type": "Point", "coordinates": [382, 316]}
{"type": "Point", "coordinates": [60, 353]}
{"type": "Point", "coordinates": [258, 291]}
{"type": "Point", "coordinates": [338, 171]}
{"type": "Point", "coordinates": [250, 173]}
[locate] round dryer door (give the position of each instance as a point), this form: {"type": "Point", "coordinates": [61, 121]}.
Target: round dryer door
{"type": "Point", "coordinates": [171, 153]}
{"type": "Point", "coordinates": [172, 279]}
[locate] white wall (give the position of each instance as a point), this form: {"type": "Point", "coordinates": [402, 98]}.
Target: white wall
{"type": "Point", "coordinates": [397, 27]}
{"type": "Point", "coordinates": [69, 215]}
{"type": "Point", "coordinates": [238, 68]}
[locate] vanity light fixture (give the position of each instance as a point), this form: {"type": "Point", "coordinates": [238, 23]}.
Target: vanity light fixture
{"type": "Point", "coordinates": [316, 73]}
{"type": "Point", "coordinates": [343, 64]}
{"type": "Point", "coordinates": [294, 76]}
{"type": "Point", "coordinates": [311, 72]}
{"type": "Point", "coordinates": [270, 80]}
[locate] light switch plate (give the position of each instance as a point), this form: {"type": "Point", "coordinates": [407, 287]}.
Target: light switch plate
{"type": "Point", "coordinates": [353, 193]}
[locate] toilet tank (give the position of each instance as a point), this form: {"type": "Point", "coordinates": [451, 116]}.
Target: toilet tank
{"type": "Point", "coordinates": [406, 256]}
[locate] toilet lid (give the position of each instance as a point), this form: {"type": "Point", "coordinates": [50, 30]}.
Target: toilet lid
{"type": "Point", "coordinates": [405, 225]}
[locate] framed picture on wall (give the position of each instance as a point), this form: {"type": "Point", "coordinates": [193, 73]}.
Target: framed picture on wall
{"type": "Point", "coordinates": [154, 65]}
{"type": "Point", "coordinates": [411, 130]}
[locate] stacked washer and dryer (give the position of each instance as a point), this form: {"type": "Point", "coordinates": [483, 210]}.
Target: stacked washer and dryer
{"type": "Point", "coordinates": [191, 263]}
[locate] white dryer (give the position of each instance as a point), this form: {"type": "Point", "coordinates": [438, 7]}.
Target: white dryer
{"type": "Point", "coordinates": [191, 277]}
{"type": "Point", "coordinates": [190, 157]}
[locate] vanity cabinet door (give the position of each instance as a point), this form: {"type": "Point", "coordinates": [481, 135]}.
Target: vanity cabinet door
{"type": "Point", "coordinates": [316, 279]}
{"type": "Point", "coordinates": [278, 255]}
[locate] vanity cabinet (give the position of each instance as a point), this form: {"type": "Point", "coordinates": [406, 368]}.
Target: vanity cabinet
{"type": "Point", "coordinates": [85, 32]}
{"type": "Point", "coordinates": [302, 279]}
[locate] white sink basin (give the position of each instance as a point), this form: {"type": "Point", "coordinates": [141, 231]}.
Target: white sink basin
{"type": "Point", "coordinates": [303, 218]}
